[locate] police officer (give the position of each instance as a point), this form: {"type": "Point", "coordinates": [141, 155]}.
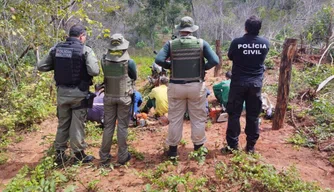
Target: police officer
{"type": "Point", "coordinates": [248, 54]}
{"type": "Point", "coordinates": [186, 86]}
{"type": "Point", "coordinates": [119, 74]}
{"type": "Point", "coordinates": [74, 64]}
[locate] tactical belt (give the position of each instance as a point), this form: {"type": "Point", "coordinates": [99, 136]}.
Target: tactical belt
{"type": "Point", "coordinates": [68, 86]}
{"type": "Point", "coordinates": [184, 82]}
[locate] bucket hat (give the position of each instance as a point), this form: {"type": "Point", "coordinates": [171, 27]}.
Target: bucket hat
{"type": "Point", "coordinates": [187, 24]}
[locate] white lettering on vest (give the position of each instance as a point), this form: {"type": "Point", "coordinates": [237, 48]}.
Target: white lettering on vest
{"type": "Point", "coordinates": [252, 52]}
{"type": "Point", "coordinates": [252, 49]}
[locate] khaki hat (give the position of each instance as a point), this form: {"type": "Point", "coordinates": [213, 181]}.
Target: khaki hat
{"type": "Point", "coordinates": [118, 42]}
{"type": "Point", "coordinates": [187, 24]}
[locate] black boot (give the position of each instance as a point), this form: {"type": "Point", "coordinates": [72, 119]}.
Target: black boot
{"type": "Point", "coordinates": [61, 158]}
{"type": "Point", "coordinates": [81, 156]}
{"type": "Point", "coordinates": [127, 159]}
{"type": "Point", "coordinates": [196, 147]}
{"type": "Point", "coordinates": [172, 152]}
{"type": "Point", "coordinates": [228, 150]}
{"type": "Point", "coordinates": [250, 149]}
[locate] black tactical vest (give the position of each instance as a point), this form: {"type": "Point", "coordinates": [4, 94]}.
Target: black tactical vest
{"type": "Point", "coordinates": [70, 66]}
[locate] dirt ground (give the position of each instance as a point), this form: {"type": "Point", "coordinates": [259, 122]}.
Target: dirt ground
{"type": "Point", "coordinates": [272, 146]}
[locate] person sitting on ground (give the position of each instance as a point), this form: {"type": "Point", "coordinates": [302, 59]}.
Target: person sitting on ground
{"type": "Point", "coordinates": [158, 99]}
{"type": "Point", "coordinates": [96, 113]}
{"type": "Point", "coordinates": [222, 89]}
{"type": "Point", "coordinates": [137, 102]}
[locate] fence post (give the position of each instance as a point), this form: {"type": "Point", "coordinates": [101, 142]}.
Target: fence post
{"type": "Point", "coordinates": [289, 50]}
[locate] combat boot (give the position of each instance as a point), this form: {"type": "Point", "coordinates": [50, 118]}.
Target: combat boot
{"type": "Point", "coordinates": [61, 158]}
{"type": "Point", "coordinates": [250, 149]}
{"type": "Point", "coordinates": [197, 147]}
{"type": "Point", "coordinates": [228, 150]}
{"type": "Point", "coordinates": [127, 159]}
{"type": "Point", "coordinates": [81, 156]}
{"type": "Point", "coordinates": [172, 152]}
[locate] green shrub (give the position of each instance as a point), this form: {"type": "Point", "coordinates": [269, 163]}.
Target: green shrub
{"type": "Point", "coordinates": [140, 45]}
{"type": "Point", "coordinates": [41, 178]}
{"type": "Point", "coordinates": [250, 174]}
{"type": "Point", "coordinates": [143, 66]}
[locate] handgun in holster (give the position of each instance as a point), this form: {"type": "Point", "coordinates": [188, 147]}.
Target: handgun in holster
{"type": "Point", "coordinates": [87, 102]}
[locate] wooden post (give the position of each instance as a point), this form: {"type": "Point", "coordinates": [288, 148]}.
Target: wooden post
{"type": "Point", "coordinates": [289, 50]}
{"type": "Point", "coordinates": [219, 53]}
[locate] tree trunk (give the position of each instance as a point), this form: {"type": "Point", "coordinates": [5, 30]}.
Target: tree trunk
{"type": "Point", "coordinates": [194, 17]}
{"type": "Point", "coordinates": [289, 50]}
{"type": "Point", "coordinates": [219, 53]}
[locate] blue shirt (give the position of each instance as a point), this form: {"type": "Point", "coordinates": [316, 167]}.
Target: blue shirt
{"type": "Point", "coordinates": [137, 102]}
{"type": "Point", "coordinates": [208, 53]}
{"type": "Point", "coordinates": [248, 54]}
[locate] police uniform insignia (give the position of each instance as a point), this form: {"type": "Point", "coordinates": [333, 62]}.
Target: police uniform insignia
{"type": "Point", "coordinates": [64, 52]}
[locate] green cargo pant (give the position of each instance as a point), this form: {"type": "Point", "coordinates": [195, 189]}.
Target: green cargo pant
{"type": "Point", "coordinates": [70, 122]}
{"type": "Point", "coordinates": [115, 108]}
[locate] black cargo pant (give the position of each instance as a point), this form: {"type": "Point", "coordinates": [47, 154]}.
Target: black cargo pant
{"type": "Point", "coordinates": [252, 97]}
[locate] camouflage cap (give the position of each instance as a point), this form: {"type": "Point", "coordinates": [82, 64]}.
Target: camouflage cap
{"type": "Point", "coordinates": [77, 30]}
{"type": "Point", "coordinates": [118, 42]}
{"type": "Point", "coordinates": [187, 24]}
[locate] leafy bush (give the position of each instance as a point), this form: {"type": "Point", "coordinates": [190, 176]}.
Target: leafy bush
{"type": "Point", "coordinates": [143, 66]}
{"type": "Point", "coordinates": [42, 178]}
{"type": "Point", "coordinates": [164, 177]}
{"type": "Point", "coordinates": [247, 172]}
{"type": "Point", "coordinates": [322, 110]}
{"type": "Point", "coordinates": [30, 102]}
{"type": "Point", "coordinates": [141, 45]}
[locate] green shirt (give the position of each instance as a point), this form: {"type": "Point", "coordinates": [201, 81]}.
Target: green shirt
{"type": "Point", "coordinates": [221, 91]}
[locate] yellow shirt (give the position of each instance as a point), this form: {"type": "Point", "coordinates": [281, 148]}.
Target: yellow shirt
{"type": "Point", "coordinates": [161, 99]}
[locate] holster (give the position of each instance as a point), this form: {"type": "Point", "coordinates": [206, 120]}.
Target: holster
{"type": "Point", "coordinates": [87, 102]}
{"type": "Point", "coordinates": [133, 116]}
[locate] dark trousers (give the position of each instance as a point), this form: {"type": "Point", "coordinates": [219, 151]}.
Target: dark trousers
{"type": "Point", "coordinates": [252, 98]}
{"type": "Point", "coordinates": [149, 104]}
